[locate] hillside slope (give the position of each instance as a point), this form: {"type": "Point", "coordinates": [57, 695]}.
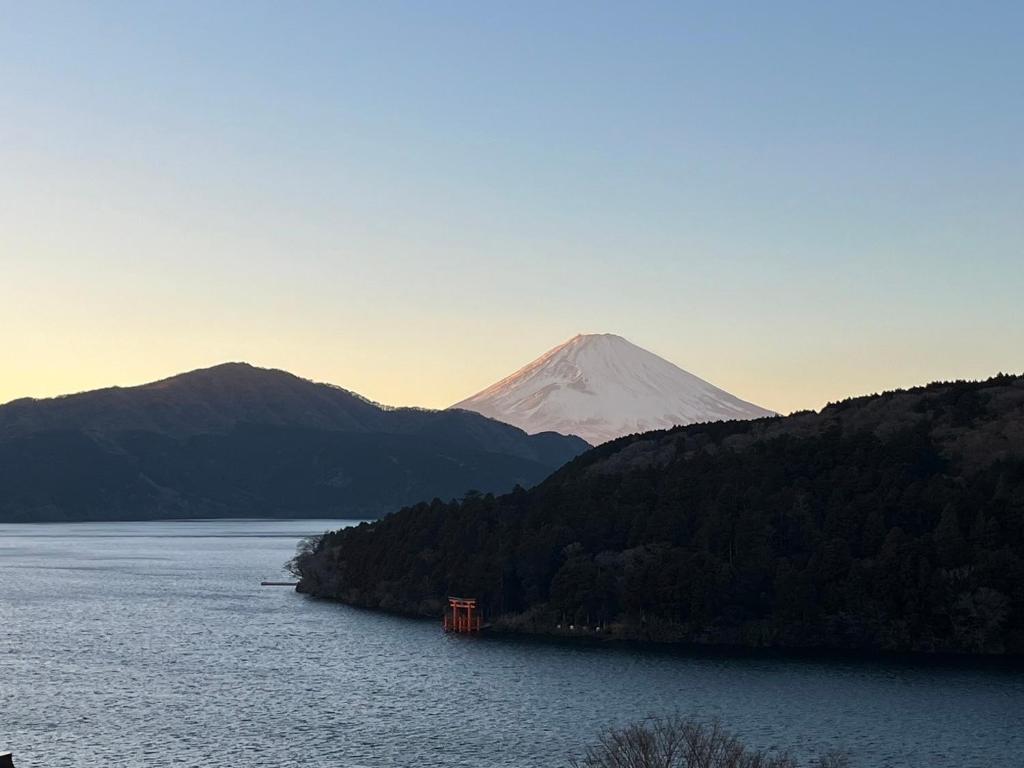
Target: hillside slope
{"type": "Point", "coordinates": [235, 440]}
{"type": "Point", "coordinates": [893, 522]}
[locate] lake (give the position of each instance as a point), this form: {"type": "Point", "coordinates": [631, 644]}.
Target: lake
{"type": "Point", "coordinates": [153, 644]}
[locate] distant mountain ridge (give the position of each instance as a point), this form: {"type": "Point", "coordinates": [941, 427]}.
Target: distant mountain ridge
{"type": "Point", "coordinates": [601, 387]}
{"type": "Point", "coordinates": [238, 440]}
{"type": "Point", "coordinates": [204, 400]}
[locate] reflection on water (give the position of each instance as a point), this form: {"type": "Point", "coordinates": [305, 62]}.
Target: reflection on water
{"type": "Point", "coordinates": [152, 644]}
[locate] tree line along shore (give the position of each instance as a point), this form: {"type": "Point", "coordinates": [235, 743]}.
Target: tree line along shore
{"type": "Point", "coordinates": [885, 523]}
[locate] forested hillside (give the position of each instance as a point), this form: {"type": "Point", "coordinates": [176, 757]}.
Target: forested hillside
{"type": "Point", "coordinates": [892, 522]}
{"type": "Point", "coordinates": [235, 440]}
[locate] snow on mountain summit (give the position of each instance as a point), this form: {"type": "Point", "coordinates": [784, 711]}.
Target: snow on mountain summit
{"type": "Point", "coordinates": [600, 387]}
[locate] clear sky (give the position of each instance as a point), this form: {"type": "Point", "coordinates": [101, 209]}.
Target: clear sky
{"type": "Point", "coordinates": [795, 201]}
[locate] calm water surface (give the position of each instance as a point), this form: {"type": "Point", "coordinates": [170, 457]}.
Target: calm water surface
{"type": "Point", "coordinates": [152, 644]}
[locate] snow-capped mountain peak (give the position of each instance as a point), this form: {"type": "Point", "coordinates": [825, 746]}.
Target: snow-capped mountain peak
{"type": "Point", "coordinates": [600, 387]}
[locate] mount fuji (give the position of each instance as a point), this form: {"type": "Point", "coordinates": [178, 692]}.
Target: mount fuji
{"type": "Point", "coordinates": [600, 387]}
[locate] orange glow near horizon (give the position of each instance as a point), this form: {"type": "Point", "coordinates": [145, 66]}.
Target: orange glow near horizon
{"type": "Point", "coordinates": [172, 197]}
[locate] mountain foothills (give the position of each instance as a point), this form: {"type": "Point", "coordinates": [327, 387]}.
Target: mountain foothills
{"type": "Point", "coordinates": [235, 440]}
{"type": "Point", "coordinates": [600, 387]}
{"type": "Point", "coordinates": [892, 522]}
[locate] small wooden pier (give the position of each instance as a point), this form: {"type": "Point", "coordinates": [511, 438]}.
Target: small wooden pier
{"type": "Point", "coordinates": [461, 615]}
{"type": "Point", "coordinates": [276, 584]}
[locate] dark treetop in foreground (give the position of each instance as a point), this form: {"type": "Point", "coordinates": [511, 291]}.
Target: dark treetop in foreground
{"type": "Point", "coordinates": [889, 522]}
{"type": "Point", "coordinates": [679, 742]}
{"type": "Point", "coordinates": [235, 440]}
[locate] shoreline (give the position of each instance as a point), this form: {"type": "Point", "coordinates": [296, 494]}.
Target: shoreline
{"type": "Point", "coordinates": [240, 519]}
{"type": "Point", "coordinates": [695, 649]}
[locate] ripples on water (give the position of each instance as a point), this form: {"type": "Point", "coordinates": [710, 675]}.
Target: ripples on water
{"type": "Point", "coordinates": [152, 644]}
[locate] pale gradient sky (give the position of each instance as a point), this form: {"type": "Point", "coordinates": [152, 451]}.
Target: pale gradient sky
{"type": "Point", "coordinates": [795, 201]}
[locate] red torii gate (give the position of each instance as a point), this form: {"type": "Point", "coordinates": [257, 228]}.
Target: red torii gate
{"type": "Point", "coordinates": [461, 615]}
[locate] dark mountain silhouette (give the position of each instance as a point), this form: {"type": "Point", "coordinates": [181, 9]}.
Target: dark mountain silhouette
{"type": "Point", "coordinates": [892, 522]}
{"type": "Point", "coordinates": [235, 440]}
